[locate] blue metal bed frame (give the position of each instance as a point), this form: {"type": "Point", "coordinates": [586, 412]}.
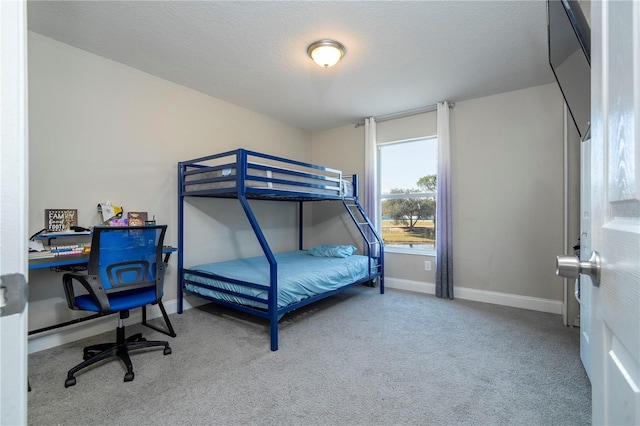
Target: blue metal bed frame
{"type": "Point", "coordinates": [321, 183]}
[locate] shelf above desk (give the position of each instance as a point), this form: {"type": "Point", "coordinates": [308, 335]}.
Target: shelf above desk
{"type": "Point", "coordinates": [61, 234]}
{"type": "Point", "coordinates": [46, 235]}
{"type": "Point", "coordinates": [78, 259]}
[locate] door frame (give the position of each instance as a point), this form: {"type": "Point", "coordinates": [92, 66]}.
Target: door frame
{"type": "Point", "coordinates": [13, 204]}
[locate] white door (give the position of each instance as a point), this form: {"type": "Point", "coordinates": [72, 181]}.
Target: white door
{"type": "Point", "coordinates": [13, 210]}
{"type": "Point", "coordinates": [615, 211]}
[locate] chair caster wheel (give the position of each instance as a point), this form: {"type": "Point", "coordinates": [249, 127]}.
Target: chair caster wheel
{"type": "Point", "coordinates": [167, 351]}
{"type": "Point", "coordinates": [129, 377]}
{"type": "Point", "coordinates": [71, 381]}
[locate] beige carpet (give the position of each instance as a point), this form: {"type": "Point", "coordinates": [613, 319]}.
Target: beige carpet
{"type": "Point", "coordinates": [358, 358]}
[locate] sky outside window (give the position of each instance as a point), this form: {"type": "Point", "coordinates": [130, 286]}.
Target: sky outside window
{"type": "Point", "coordinates": [403, 164]}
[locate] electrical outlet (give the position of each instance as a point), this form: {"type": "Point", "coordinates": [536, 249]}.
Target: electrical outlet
{"type": "Point", "coordinates": [427, 265]}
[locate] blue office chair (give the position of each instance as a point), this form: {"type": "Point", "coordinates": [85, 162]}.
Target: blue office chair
{"type": "Point", "coordinates": [125, 271]}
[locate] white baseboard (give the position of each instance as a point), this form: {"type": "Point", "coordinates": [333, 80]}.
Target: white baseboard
{"type": "Point", "coordinates": [505, 299]}
{"type": "Point", "coordinates": [82, 330]}
{"type": "Point", "coordinates": [417, 286]}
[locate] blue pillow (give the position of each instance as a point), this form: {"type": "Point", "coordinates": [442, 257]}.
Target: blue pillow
{"type": "Point", "coordinates": [330, 250]}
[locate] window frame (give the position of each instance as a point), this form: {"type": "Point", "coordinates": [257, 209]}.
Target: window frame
{"type": "Point", "coordinates": [380, 197]}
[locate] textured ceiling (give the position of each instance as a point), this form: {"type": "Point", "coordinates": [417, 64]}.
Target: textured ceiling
{"type": "Point", "coordinates": [400, 55]}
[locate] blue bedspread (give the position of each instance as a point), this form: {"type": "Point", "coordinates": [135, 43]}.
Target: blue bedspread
{"type": "Point", "coordinates": [300, 275]}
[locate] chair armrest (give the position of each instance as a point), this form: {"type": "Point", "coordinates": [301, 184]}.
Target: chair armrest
{"type": "Point", "coordinates": [161, 269]}
{"type": "Point", "coordinates": [92, 284]}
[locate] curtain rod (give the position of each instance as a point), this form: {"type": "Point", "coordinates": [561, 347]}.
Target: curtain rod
{"type": "Point", "coordinates": [403, 114]}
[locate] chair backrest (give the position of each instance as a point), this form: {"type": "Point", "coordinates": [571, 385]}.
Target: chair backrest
{"type": "Point", "coordinates": [128, 257]}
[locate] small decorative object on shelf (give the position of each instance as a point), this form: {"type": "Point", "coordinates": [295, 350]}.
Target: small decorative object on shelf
{"type": "Point", "coordinates": [58, 220]}
{"type": "Point", "coordinates": [109, 212]}
{"type": "Point", "coordinates": [137, 218]}
{"type": "Point", "coordinates": [119, 222]}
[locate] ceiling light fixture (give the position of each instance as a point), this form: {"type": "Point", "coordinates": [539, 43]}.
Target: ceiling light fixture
{"type": "Point", "coordinates": [326, 53]}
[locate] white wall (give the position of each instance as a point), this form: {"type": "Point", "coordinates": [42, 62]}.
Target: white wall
{"type": "Point", "coordinates": [100, 130]}
{"type": "Point", "coordinates": [507, 192]}
{"type": "Point", "coordinates": [340, 149]}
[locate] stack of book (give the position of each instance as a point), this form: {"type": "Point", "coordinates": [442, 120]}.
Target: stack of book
{"type": "Point", "coordinates": [60, 250]}
{"type": "Point", "coordinates": [40, 254]}
{"type": "Point", "coordinates": [68, 249]}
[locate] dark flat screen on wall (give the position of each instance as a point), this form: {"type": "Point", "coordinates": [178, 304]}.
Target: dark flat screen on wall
{"type": "Point", "coordinates": [570, 58]}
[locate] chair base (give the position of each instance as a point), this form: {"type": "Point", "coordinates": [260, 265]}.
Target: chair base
{"type": "Point", "coordinates": [96, 353]}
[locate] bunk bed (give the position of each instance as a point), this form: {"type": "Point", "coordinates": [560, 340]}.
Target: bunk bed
{"type": "Point", "coordinates": [272, 285]}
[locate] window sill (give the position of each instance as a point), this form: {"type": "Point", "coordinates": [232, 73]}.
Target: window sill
{"type": "Point", "coordinates": [431, 253]}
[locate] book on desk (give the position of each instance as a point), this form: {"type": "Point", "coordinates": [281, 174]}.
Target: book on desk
{"type": "Point", "coordinates": [60, 250]}
{"type": "Point", "coordinates": [38, 250]}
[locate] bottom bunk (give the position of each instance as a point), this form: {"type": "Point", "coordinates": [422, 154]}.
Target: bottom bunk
{"type": "Point", "coordinates": [301, 277]}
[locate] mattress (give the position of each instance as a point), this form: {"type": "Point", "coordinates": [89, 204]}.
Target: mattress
{"type": "Point", "coordinates": [300, 276]}
{"type": "Point", "coordinates": [265, 178]}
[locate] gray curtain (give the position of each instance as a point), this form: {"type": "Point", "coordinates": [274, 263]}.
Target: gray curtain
{"type": "Point", "coordinates": [444, 240]}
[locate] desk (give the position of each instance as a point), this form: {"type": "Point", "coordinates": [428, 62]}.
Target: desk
{"type": "Point", "coordinates": [60, 263]}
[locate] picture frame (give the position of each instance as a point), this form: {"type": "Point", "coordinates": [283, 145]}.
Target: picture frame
{"type": "Point", "coordinates": [137, 218]}
{"type": "Point", "coordinates": [60, 220]}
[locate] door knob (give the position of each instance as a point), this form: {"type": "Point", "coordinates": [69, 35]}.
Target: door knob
{"type": "Point", "coordinates": [572, 267]}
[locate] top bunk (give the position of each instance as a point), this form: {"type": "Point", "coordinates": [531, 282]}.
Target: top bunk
{"type": "Point", "coordinates": [253, 175]}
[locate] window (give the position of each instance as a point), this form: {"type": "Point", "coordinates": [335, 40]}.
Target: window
{"type": "Point", "coordinates": [407, 173]}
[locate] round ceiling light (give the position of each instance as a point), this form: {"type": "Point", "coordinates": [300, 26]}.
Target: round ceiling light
{"type": "Point", "coordinates": [326, 53]}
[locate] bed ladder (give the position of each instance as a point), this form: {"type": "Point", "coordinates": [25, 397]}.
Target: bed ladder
{"type": "Point", "coordinates": [372, 239]}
